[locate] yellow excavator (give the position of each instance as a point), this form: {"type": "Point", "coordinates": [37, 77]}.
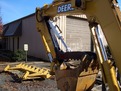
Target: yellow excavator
{"type": "Point", "coordinates": [75, 70]}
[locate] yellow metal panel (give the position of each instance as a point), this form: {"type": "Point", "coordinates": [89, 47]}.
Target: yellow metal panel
{"type": "Point", "coordinates": [31, 72]}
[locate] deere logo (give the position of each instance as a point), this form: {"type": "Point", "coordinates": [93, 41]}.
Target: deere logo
{"type": "Point", "coordinates": [65, 8]}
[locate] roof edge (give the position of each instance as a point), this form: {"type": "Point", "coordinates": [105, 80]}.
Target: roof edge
{"type": "Point", "coordinates": [20, 19]}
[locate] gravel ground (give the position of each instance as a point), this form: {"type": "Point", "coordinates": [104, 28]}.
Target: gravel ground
{"type": "Point", "coordinates": [8, 84]}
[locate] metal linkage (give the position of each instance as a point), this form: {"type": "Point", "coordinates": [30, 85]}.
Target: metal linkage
{"type": "Point", "coordinates": [56, 30]}
{"type": "Point", "coordinates": [30, 72]}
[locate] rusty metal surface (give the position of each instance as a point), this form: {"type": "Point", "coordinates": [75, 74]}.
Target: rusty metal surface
{"type": "Point", "coordinates": [86, 82]}
{"type": "Point", "coordinates": [68, 80]}
{"type": "Point", "coordinates": [82, 77]}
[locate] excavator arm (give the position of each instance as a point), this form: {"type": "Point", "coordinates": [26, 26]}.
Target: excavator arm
{"type": "Point", "coordinates": [105, 13]}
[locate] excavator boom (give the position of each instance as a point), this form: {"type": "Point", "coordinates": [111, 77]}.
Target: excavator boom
{"type": "Point", "coordinates": [105, 13]}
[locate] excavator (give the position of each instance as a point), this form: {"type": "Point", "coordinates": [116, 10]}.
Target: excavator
{"type": "Point", "coordinates": [77, 70]}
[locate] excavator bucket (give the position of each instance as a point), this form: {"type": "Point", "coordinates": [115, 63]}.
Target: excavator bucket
{"type": "Point", "coordinates": [77, 78]}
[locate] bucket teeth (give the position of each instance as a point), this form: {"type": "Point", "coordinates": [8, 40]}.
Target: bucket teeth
{"type": "Point", "coordinates": [30, 71]}
{"type": "Point", "coordinates": [7, 67]}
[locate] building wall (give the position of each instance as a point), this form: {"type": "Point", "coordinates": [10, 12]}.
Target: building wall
{"type": "Point", "coordinates": [31, 37]}
{"type": "Point", "coordinates": [16, 43]}
{"type": "Point", "coordinates": [78, 34]}
{"type": "Point", "coordinates": [75, 32]}
{"type": "Point", "coordinates": [11, 43]}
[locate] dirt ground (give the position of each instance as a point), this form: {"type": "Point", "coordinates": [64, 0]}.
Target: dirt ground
{"type": "Point", "coordinates": [9, 83]}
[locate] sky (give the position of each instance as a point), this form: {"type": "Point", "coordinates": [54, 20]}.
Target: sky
{"type": "Point", "coordinates": [11, 10]}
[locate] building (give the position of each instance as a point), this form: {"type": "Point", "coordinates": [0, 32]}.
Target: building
{"type": "Point", "coordinates": [75, 30]}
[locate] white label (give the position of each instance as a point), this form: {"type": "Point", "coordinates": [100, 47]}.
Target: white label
{"type": "Point", "coordinates": [65, 8]}
{"type": "Point", "coordinates": [25, 47]}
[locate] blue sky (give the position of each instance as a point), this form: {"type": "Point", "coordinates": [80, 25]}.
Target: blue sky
{"type": "Point", "coordinates": [11, 10]}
